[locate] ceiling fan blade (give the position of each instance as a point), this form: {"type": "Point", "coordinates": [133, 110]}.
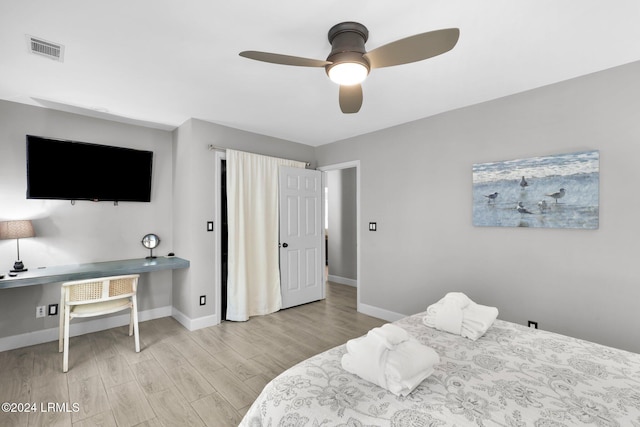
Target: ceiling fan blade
{"type": "Point", "coordinates": [276, 58]}
{"type": "Point", "coordinates": [414, 48]}
{"type": "Point", "coordinates": [350, 98]}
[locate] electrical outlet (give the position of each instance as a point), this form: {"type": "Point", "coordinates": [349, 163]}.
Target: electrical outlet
{"type": "Point", "coordinates": [532, 324]}
{"type": "Point", "coordinates": [203, 299]}
{"type": "Point", "coordinates": [40, 311]}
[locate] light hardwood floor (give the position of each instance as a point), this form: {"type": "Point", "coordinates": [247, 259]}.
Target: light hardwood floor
{"type": "Point", "coordinates": [207, 377]}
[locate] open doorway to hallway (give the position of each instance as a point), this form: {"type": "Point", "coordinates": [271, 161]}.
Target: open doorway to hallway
{"type": "Point", "coordinates": [341, 223]}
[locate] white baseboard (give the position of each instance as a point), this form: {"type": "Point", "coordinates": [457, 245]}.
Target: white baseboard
{"type": "Point", "coordinates": [194, 324]}
{"type": "Point", "coordinates": [380, 313]}
{"type": "Point", "coordinates": [342, 280]}
{"type": "Point", "coordinates": [81, 328]}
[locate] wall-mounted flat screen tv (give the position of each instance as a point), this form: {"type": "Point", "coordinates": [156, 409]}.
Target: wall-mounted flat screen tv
{"type": "Point", "coordinates": [72, 170]}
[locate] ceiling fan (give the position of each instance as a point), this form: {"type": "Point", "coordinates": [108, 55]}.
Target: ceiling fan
{"type": "Point", "coordinates": [349, 63]}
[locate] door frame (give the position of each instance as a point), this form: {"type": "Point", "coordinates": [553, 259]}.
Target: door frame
{"type": "Point", "coordinates": [339, 166]}
{"type": "Point", "coordinates": [217, 226]}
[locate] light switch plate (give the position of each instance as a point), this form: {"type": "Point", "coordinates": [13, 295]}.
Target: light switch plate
{"type": "Point", "coordinates": [53, 309]}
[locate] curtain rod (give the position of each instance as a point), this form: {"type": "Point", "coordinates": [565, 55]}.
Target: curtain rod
{"type": "Point", "coordinates": [214, 147]}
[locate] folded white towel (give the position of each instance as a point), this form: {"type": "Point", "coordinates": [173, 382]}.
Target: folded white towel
{"type": "Point", "coordinates": [457, 314]}
{"type": "Point", "coordinates": [399, 370]}
{"type": "Point", "coordinates": [449, 317]}
{"type": "Point", "coordinates": [477, 319]}
{"type": "Point", "coordinates": [390, 335]}
{"type": "Point", "coordinates": [408, 365]}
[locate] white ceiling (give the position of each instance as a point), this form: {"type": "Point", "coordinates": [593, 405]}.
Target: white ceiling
{"type": "Point", "coordinates": [161, 62]}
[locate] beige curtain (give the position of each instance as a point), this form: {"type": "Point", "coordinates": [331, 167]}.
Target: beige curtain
{"type": "Point", "coordinates": [253, 281]}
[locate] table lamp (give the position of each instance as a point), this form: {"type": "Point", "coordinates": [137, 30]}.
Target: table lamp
{"type": "Point", "coordinates": [16, 230]}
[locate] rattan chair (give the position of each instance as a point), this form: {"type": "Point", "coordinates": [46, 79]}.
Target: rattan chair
{"type": "Point", "coordinates": [95, 297]}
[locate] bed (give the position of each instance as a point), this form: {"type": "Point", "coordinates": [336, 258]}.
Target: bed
{"type": "Point", "coordinates": [512, 376]}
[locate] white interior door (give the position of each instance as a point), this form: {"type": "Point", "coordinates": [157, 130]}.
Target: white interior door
{"type": "Point", "coordinates": [301, 267]}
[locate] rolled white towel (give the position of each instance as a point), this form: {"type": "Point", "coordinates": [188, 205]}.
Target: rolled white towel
{"type": "Point", "coordinates": [446, 314]}
{"type": "Point", "coordinates": [390, 335]}
{"type": "Point", "coordinates": [366, 357]}
{"type": "Point", "coordinates": [408, 365]}
{"type": "Point", "coordinates": [459, 299]}
{"type": "Point", "coordinates": [449, 318]}
{"type": "Point", "coordinates": [429, 318]}
{"type": "Point", "coordinates": [399, 370]}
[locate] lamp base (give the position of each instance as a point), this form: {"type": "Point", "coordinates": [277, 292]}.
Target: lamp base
{"type": "Point", "coordinates": [18, 267]}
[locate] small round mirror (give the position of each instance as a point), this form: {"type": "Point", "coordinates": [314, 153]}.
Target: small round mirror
{"type": "Point", "coordinates": [150, 241]}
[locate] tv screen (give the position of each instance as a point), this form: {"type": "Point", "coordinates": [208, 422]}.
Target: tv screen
{"type": "Point", "coordinates": [72, 170]}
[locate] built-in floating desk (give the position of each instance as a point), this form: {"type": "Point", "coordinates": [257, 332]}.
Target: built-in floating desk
{"type": "Point", "coordinates": [65, 273]}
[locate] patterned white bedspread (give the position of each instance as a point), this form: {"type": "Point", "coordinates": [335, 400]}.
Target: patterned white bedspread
{"type": "Point", "coordinates": [512, 376]}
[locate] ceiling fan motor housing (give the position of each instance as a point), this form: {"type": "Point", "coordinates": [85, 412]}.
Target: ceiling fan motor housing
{"type": "Point", "coordinates": [347, 44]}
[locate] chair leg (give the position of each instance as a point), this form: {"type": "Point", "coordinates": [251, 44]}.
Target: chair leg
{"type": "Point", "coordinates": [61, 328]}
{"type": "Point", "coordinates": [65, 354]}
{"type": "Point", "coordinates": [131, 320]}
{"type": "Point", "coordinates": [134, 313]}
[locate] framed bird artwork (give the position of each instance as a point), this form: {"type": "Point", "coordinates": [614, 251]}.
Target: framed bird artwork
{"type": "Point", "coordinates": [555, 191]}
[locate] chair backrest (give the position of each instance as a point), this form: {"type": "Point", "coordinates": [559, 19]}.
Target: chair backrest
{"type": "Point", "coordinates": [100, 289]}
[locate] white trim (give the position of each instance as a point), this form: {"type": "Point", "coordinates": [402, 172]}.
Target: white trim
{"type": "Point", "coordinates": [80, 328]}
{"type": "Point", "coordinates": [347, 165]}
{"type": "Point", "coordinates": [338, 166]}
{"type": "Point", "coordinates": [342, 280]}
{"type": "Point", "coordinates": [194, 324]}
{"type": "Point", "coordinates": [217, 226]}
{"type": "Point", "coordinates": [379, 313]}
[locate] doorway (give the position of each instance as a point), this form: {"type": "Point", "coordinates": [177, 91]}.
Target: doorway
{"type": "Point", "coordinates": [342, 224]}
{"type": "Point", "coordinates": [220, 233]}
{"type": "Point", "coordinates": [224, 240]}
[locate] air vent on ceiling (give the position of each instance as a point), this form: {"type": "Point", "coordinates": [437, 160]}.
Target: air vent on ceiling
{"type": "Point", "coordinates": [45, 48]}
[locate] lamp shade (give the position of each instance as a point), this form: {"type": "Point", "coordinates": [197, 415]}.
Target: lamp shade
{"type": "Point", "coordinates": [16, 229]}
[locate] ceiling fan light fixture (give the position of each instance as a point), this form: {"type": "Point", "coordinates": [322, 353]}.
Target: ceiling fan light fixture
{"type": "Point", "coordinates": [349, 63]}
{"type": "Point", "coordinates": [348, 73]}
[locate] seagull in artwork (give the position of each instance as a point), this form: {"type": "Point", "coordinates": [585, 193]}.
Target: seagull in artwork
{"type": "Point", "coordinates": [523, 183]}
{"type": "Point", "coordinates": [542, 205]}
{"type": "Point", "coordinates": [558, 194]}
{"type": "Point", "coordinates": [492, 197]}
{"type": "Point", "coordinates": [520, 208]}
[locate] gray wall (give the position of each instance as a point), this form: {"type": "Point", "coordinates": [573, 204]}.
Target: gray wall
{"type": "Point", "coordinates": [182, 201]}
{"type": "Point", "coordinates": [416, 183]}
{"type": "Point", "coordinates": [86, 232]}
{"type": "Point", "coordinates": [342, 223]}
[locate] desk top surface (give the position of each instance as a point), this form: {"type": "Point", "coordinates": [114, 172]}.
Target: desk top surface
{"type": "Point", "coordinates": [64, 273]}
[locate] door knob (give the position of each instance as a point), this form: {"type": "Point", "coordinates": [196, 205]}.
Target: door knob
{"type": "Point", "coordinates": [285, 245]}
